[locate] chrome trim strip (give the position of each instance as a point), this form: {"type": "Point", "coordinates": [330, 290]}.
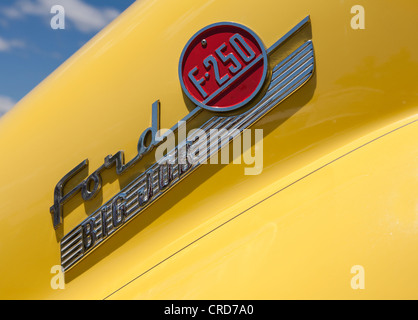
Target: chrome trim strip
{"type": "Point", "coordinates": [294, 30]}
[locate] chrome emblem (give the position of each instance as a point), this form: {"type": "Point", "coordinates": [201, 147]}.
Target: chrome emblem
{"type": "Point", "coordinates": [222, 68]}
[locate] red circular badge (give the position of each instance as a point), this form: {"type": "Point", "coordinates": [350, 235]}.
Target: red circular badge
{"type": "Point", "coordinates": [223, 67]}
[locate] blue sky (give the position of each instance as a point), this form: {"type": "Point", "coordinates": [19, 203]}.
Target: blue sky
{"type": "Point", "coordinates": [30, 49]}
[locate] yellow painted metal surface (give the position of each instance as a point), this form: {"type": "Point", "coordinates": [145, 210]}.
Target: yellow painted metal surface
{"type": "Point", "coordinates": [297, 243]}
{"type": "Point", "coordinates": [300, 237]}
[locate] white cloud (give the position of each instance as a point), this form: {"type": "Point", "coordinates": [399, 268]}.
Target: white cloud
{"type": "Point", "coordinates": [11, 12]}
{"type": "Point", "coordinates": [6, 103]}
{"type": "Point", "coordinates": [6, 45]}
{"type": "Point", "coordinates": [85, 17]}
